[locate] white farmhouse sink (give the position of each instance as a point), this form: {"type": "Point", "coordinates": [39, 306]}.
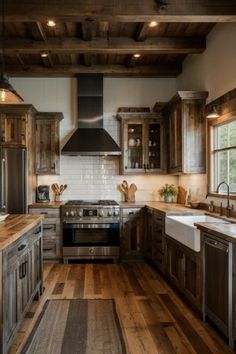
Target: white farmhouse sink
{"type": "Point", "coordinates": [182, 229]}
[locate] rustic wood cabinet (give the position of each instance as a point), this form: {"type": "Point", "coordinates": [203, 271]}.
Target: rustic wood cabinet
{"type": "Point", "coordinates": [187, 132]}
{"type": "Point", "coordinates": [131, 233]}
{"type": "Point", "coordinates": [21, 282]}
{"type": "Point", "coordinates": [17, 125]}
{"type": "Point", "coordinates": [183, 268]}
{"type": "Point", "coordinates": [154, 237]}
{"type": "Point", "coordinates": [47, 143]}
{"type": "Point", "coordinates": [51, 231]}
{"type": "Point", "coordinates": [142, 143]}
{"type": "Point", "coordinates": [17, 130]}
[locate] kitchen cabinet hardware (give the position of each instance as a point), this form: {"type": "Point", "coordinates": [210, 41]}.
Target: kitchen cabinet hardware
{"type": "Point", "coordinates": [38, 231]}
{"type": "Point", "coordinates": [44, 212]}
{"type": "Point", "coordinates": [21, 247]}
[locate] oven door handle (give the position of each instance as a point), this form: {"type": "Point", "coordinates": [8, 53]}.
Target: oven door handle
{"type": "Point", "coordinates": [91, 226]}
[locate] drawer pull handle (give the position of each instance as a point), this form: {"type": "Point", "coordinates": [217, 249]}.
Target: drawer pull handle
{"type": "Point", "coordinates": [44, 212]}
{"type": "Point", "coordinates": [21, 247]}
{"type": "Point", "coordinates": [131, 213]}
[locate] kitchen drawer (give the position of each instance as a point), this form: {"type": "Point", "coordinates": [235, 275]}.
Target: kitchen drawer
{"type": "Point", "coordinates": [47, 212]}
{"type": "Point", "coordinates": [129, 212]}
{"type": "Point", "coordinates": [23, 244]}
{"type": "Point", "coordinates": [51, 248]}
{"type": "Point", "coordinates": [51, 227]}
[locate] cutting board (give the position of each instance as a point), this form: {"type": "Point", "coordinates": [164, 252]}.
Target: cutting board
{"type": "Point", "coordinates": [182, 193]}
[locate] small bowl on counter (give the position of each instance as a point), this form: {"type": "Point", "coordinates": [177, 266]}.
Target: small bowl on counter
{"type": "Point", "coordinates": [194, 204]}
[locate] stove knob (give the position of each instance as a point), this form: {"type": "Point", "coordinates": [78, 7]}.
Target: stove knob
{"type": "Point", "coordinates": [116, 213]}
{"type": "Point", "coordinates": [101, 213]}
{"type": "Point", "coordinates": [80, 213]}
{"type": "Point", "coordinates": [67, 213]}
{"type": "Point", "coordinates": [72, 213]}
{"type": "Point", "coordinates": [109, 213]}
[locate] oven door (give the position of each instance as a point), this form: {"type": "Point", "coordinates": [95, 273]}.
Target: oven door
{"type": "Point", "coordinates": [91, 235]}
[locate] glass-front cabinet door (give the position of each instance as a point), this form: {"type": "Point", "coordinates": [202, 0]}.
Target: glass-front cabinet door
{"type": "Point", "coordinates": [154, 146]}
{"type": "Point", "coordinates": [142, 143]}
{"type": "Point", "coordinates": [134, 156]}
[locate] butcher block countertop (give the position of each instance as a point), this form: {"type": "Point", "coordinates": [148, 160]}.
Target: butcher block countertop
{"type": "Point", "coordinates": [165, 208]}
{"type": "Point", "coordinates": [16, 226]}
{"type": "Point", "coordinates": [46, 205]}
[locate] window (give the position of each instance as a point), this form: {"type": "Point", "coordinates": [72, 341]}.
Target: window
{"type": "Point", "coordinates": [223, 155]}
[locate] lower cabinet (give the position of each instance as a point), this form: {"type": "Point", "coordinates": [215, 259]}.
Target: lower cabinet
{"type": "Point", "coordinates": [21, 275]}
{"type": "Point", "coordinates": [154, 238]}
{"type": "Point", "coordinates": [183, 268]}
{"type": "Point", "coordinates": [51, 232]}
{"type": "Point", "coordinates": [131, 233]}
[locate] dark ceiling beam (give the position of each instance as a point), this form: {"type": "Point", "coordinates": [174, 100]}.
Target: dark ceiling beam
{"type": "Point", "coordinates": [88, 34]}
{"type": "Point", "coordinates": [164, 70]}
{"type": "Point", "coordinates": [36, 30]}
{"type": "Point", "coordinates": [122, 10]}
{"type": "Point", "coordinates": [118, 45]}
{"type": "Point", "coordinates": [142, 31]}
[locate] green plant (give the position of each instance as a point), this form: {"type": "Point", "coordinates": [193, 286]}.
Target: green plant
{"type": "Point", "coordinates": [168, 190]}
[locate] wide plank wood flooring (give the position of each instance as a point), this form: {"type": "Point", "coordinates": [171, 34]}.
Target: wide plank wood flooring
{"type": "Point", "coordinates": [152, 316]}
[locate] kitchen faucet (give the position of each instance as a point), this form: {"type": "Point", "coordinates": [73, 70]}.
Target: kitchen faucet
{"type": "Point", "coordinates": [229, 208]}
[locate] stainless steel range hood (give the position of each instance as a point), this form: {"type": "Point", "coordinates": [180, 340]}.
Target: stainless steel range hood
{"type": "Point", "coordinates": [90, 138]}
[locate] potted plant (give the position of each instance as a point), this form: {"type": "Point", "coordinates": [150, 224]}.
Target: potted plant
{"type": "Point", "coordinates": [168, 191]}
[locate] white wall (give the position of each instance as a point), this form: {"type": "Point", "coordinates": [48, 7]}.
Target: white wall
{"type": "Point", "coordinates": [214, 70]}
{"type": "Point", "coordinates": [96, 177]}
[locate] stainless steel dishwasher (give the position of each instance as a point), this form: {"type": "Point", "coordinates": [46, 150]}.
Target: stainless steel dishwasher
{"type": "Point", "coordinates": [217, 284]}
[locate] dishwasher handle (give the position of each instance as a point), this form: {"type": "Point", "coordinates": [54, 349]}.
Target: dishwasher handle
{"type": "Point", "coordinates": [216, 244]}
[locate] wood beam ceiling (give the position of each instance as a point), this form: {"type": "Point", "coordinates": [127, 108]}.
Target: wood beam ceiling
{"type": "Point", "coordinates": [171, 70]}
{"type": "Point", "coordinates": [118, 45]}
{"type": "Point", "coordinates": [122, 10]}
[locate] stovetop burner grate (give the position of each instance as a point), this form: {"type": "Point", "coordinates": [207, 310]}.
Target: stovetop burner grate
{"type": "Point", "coordinates": [92, 202]}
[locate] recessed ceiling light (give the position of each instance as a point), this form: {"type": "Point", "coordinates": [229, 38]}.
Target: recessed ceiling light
{"type": "Point", "coordinates": [137, 55]}
{"type": "Point", "coordinates": [51, 23]}
{"type": "Point", "coordinates": [44, 55]}
{"type": "Point", "coordinates": [153, 24]}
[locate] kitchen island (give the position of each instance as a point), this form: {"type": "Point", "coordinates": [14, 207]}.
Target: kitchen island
{"type": "Point", "coordinates": [20, 272]}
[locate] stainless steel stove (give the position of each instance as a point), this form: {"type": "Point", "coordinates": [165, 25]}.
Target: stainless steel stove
{"type": "Point", "coordinates": [91, 229]}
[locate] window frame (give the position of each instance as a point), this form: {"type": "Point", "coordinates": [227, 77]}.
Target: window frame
{"type": "Point", "coordinates": [225, 119]}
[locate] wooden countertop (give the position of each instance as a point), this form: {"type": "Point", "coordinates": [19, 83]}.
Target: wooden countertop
{"type": "Point", "coordinates": [46, 205]}
{"type": "Point", "coordinates": [165, 208]}
{"type": "Point", "coordinates": [222, 230]}
{"type": "Point", "coordinates": [15, 226]}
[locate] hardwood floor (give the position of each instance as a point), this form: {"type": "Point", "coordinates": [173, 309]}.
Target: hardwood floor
{"type": "Point", "coordinates": [152, 316]}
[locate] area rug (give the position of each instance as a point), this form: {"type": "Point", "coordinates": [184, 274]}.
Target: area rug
{"type": "Point", "coordinates": [77, 326]}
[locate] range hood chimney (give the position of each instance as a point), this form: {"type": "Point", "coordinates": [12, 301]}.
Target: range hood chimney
{"type": "Point", "coordinates": [90, 138]}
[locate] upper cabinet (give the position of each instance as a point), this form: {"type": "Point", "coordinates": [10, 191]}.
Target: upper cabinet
{"type": "Point", "coordinates": [187, 132]}
{"type": "Point", "coordinates": [142, 143]}
{"type": "Point", "coordinates": [17, 125]}
{"type": "Point", "coordinates": [47, 143]}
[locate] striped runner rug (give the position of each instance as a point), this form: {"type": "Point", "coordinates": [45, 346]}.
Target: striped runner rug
{"type": "Point", "coordinates": [77, 326]}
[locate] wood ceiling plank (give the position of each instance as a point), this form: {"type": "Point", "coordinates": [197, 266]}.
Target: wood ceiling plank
{"type": "Point", "coordinates": [122, 10]}
{"type": "Point", "coordinates": [38, 34]}
{"type": "Point", "coordinates": [112, 70]}
{"type": "Point", "coordinates": [117, 45]}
